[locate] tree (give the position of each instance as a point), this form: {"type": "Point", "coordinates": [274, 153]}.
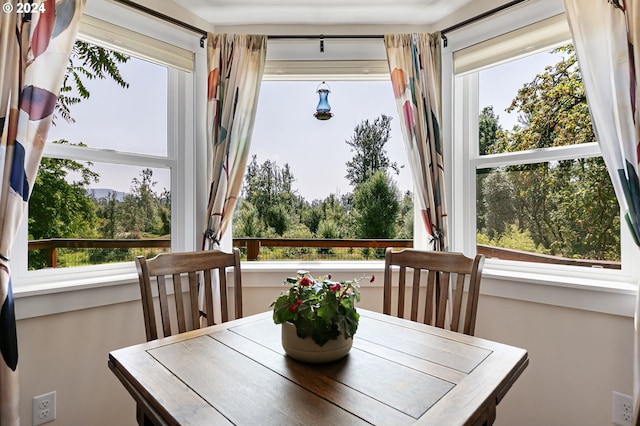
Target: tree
{"type": "Point", "coordinates": [109, 214]}
{"type": "Point", "coordinates": [376, 207]}
{"type": "Point", "coordinates": [59, 206]}
{"type": "Point", "coordinates": [87, 61]}
{"type": "Point", "coordinates": [568, 207]}
{"type": "Point", "coordinates": [269, 189]}
{"type": "Point", "coordinates": [498, 202]}
{"type": "Point", "coordinates": [368, 144]}
{"type": "Point", "coordinates": [488, 128]}
{"type": "Point", "coordinates": [140, 207]}
{"type": "Point", "coordinates": [404, 226]}
{"type": "Point", "coordinates": [246, 222]}
{"type": "Point", "coordinates": [488, 131]}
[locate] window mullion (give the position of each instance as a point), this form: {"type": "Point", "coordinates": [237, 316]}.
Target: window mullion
{"type": "Point", "coordinates": [559, 153]}
{"type": "Point", "coordinates": [104, 155]}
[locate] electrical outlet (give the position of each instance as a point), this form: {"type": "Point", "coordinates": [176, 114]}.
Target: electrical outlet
{"type": "Point", "coordinates": [621, 409]}
{"type": "Point", "coordinates": [44, 408]}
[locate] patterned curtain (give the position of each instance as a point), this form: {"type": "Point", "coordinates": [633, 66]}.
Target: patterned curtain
{"type": "Point", "coordinates": [414, 63]}
{"type": "Point", "coordinates": [34, 52]}
{"type": "Point", "coordinates": [236, 65]}
{"type": "Point", "coordinates": [606, 35]}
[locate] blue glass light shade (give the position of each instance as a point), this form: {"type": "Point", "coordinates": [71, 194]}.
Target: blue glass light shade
{"type": "Point", "coordinates": [323, 110]}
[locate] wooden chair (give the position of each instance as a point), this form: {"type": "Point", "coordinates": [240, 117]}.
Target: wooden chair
{"type": "Point", "coordinates": [197, 268]}
{"type": "Point", "coordinates": [442, 269]}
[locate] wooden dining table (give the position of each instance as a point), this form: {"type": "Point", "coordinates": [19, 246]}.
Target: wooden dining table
{"type": "Point", "coordinates": [398, 372]}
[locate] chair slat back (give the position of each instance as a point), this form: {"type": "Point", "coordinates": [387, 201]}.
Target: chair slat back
{"type": "Point", "coordinates": [438, 279]}
{"type": "Point", "coordinates": [195, 270]}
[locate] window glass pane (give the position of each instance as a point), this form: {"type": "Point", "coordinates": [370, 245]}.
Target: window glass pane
{"type": "Point", "coordinates": [77, 206]}
{"type": "Point", "coordinates": [307, 178]}
{"type": "Point", "coordinates": [534, 102]}
{"type": "Point", "coordinates": [563, 212]}
{"type": "Point", "coordinates": [128, 119]}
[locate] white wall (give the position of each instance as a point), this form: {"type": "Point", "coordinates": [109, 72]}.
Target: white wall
{"type": "Point", "coordinates": [577, 357]}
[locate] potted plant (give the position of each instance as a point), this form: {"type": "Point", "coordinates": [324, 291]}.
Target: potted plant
{"type": "Point", "coordinates": [318, 317]}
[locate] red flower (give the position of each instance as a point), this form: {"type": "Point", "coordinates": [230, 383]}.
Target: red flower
{"type": "Point", "coordinates": [305, 282]}
{"type": "Point", "coordinates": [335, 287]}
{"type": "Point", "coordinates": [294, 306]}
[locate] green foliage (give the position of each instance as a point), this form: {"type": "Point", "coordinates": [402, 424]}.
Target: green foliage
{"type": "Point", "coordinates": [277, 218]}
{"type": "Point", "coordinates": [368, 143]}
{"type": "Point", "coordinates": [275, 208]}
{"type": "Point", "coordinates": [246, 222]}
{"type": "Point", "coordinates": [298, 231]}
{"type": "Point", "coordinates": [320, 309]}
{"type": "Point", "coordinates": [512, 238]}
{"type": "Point", "coordinates": [60, 208]}
{"type": "Point", "coordinates": [376, 207]}
{"type": "Point", "coordinates": [404, 226]}
{"type": "Point", "coordinates": [498, 195]}
{"type": "Point", "coordinates": [488, 128]}
{"type": "Point", "coordinates": [312, 216]}
{"type": "Point", "coordinates": [567, 207]}
{"type": "Point", "coordinates": [89, 62]}
{"type": "Point", "coordinates": [140, 207]}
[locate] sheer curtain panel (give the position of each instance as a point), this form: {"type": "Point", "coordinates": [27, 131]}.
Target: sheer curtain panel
{"type": "Point", "coordinates": [235, 64]}
{"type": "Point", "coordinates": [606, 37]}
{"type": "Point", "coordinates": [34, 53]}
{"type": "Point", "coordinates": [415, 67]}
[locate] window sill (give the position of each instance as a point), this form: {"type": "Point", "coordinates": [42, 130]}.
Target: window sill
{"type": "Point", "coordinates": [616, 297]}
{"type": "Point", "coordinates": [586, 292]}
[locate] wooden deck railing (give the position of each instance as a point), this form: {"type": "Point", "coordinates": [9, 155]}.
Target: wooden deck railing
{"type": "Point", "coordinates": [253, 246]}
{"type": "Point", "coordinates": [51, 245]}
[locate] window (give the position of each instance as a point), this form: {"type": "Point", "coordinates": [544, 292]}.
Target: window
{"type": "Point", "coordinates": [538, 186]}
{"type": "Point", "coordinates": [112, 165]}
{"type": "Point", "coordinates": [299, 184]}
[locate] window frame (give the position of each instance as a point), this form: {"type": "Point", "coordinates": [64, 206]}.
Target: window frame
{"type": "Point", "coordinates": [596, 291]}
{"type": "Point", "coordinates": [182, 146]}
{"type": "Point", "coordinates": [460, 97]}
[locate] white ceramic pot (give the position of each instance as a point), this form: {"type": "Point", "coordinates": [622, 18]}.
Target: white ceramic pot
{"type": "Point", "coordinates": [309, 351]}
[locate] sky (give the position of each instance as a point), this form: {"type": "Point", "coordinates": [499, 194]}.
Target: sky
{"type": "Point", "coordinates": [285, 130]}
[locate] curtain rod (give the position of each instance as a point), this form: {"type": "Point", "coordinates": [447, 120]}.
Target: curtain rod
{"type": "Point", "coordinates": [204, 33]}
{"type": "Point", "coordinates": [166, 18]}
{"type": "Point", "coordinates": [478, 18]}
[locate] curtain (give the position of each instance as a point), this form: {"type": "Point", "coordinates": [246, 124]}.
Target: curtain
{"type": "Point", "coordinates": [235, 64]}
{"type": "Point", "coordinates": [606, 37]}
{"type": "Point", "coordinates": [415, 67]}
{"type": "Point", "coordinates": [34, 52]}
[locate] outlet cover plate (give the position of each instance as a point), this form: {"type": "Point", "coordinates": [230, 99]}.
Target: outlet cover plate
{"type": "Point", "coordinates": [44, 408]}
{"type": "Point", "coordinates": [621, 409]}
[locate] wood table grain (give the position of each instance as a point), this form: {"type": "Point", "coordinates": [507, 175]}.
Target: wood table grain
{"type": "Point", "coordinates": [398, 372]}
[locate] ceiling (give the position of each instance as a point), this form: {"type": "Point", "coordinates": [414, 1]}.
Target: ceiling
{"type": "Point", "coordinates": [325, 12]}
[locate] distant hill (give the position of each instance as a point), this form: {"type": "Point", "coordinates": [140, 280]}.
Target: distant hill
{"type": "Point", "coordinates": [100, 193]}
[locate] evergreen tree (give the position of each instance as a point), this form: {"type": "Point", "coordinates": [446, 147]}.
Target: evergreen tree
{"type": "Point", "coordinates": [368, 145]}
{"type": "Point", "coordinates": [140, 207]}
{"type": "Point", "coordinates": [488, 128]}
{"type": "Point", "coordinates": [376, 207]}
